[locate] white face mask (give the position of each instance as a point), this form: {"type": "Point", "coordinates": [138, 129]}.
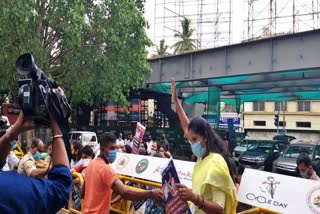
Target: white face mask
{"type": "Point", "coordinates": [85, 162]}
{"type": "Point", "coordinates": [152, 153]}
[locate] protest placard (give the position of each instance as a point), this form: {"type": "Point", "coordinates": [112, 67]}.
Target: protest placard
{"type": "Point", "coordinates": [174, 203]}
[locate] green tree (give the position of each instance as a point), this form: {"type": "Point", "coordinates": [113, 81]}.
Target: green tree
{"type": "Point", "coordinates": [185, 43]}
{"type": "Point", "coordinates": [162, 49]}
{"type": "Point", "coordinates": [95, 49]}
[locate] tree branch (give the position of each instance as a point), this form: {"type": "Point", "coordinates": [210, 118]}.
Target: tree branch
{"type": "Point", "coordinates": [71, 50]}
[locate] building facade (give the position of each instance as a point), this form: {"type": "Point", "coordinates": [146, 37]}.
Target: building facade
{"type": "Point", "coordinates": [300, 119]}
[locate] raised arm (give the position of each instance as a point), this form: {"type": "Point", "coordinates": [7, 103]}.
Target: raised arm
{"type": "Point", "coordinates": [184, 121]}
{"type": "Point", "coordinates": [12, 133]}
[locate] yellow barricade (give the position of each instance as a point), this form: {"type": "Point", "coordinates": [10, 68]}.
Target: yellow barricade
{"type": "Point", "coordinates": [140, 181]}
{"type": "Point", "coordinates": [258, 210]}
{"type": "Point", "coordinates": [78, 176]}
{"type": "Point", "coordinates": [18, 151]}
{"type": "Point", "coordinates": [125, 206]}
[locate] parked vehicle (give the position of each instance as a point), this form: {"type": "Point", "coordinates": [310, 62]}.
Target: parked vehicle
{"type": "Point", "coordinates": [243, 146]}
{"type": "Point", "coordinates": [261, 155]}
{"type": "Point", "coordinates": [284, 138]}
{"type": "Point", "coordinates": [86, 138]}
{"type": "Point", "coordinates": [287, 163]}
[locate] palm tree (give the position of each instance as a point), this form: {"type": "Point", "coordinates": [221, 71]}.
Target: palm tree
{"type": "Point", "coordinates": [162, 48]}
{"type": "Point", "coordinates": [185, 43]}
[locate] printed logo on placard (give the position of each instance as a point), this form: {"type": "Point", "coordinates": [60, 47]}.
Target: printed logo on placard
{"type": "Point", "coordinates": [122, 162]}
{"type": "Point", "coordinates": [268, 191]}
{"type": "Point", "coordinates": [271, 186]}
{"type": "Point", "coordinates": [313, 200]}
{"type": "Point", "coordinates": [142, 166]}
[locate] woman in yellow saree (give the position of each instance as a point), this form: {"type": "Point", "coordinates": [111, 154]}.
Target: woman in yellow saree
{"type": "Point", "coordinates": [213, 189]}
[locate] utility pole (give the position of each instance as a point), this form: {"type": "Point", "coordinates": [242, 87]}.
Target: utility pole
{"type": "Point", "coordinates": [293, 15]}
{"type": "Point", "coordinates": [284, 116]}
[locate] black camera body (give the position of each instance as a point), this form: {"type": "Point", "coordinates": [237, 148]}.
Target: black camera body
{"type": "Point", "coordinates": [38, 94]}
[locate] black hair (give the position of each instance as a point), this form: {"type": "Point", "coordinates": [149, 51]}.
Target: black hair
{"type": "Point", "coordinates": [78, 147]}
{"type": "Point", "coordinates": [145, 146]}
{"type": "Point", "coordinates": [2, 132]}
{"type": "Point", "coordinates": [304, 150]}
{"type": "Point", "coordinates": [158, 146]}
{"type": "Point", "coordinates": [107, 138]}
{"type": "Point", "coordinates": [305, 159]}
{"type": "Point", "coordinates": [240, 170]}
{"type": "Point", "coordinates": [35, 143]}
{"type": "Point", "coordinates": [128, 148]}
{"type": "Point", "coordinates": [214, 142]}
{"type": "Point", "coordinates": [87, 150]}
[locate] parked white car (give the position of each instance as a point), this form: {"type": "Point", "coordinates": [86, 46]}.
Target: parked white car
{"type": "Point", "coordinates": [86, 138]}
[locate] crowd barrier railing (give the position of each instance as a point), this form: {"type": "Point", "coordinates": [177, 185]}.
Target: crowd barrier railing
{"type": "Point", "coordinates": [75, 175]}
{"type": "Point", "coordinates": [125, 206]}
{"type": "Point", "coordinates": [18, 151]}
{"type": "Point", "coordinates": [258, 210]}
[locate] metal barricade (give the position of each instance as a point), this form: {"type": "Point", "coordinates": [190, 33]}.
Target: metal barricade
{"type": "Point", "coordinates": [125, 206]}
{"type": "Point", "coordinates": [258, 210]}
{"type": "Point", "coordinates": [75, 175]}
{"type": "Point", "coordinates": [18, 151]}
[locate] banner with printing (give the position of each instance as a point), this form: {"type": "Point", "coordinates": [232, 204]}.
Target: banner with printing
{"type": "Point", "coordinates": [280, 193]}
{"type": "Point", "coordinates": [150, 168]}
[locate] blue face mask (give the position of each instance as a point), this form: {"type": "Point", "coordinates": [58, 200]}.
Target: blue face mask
{"type": "Point", "coordinates": [37, 156]}
{"type": "Point", "coordinates": [14, 146]}
{"type": "Point", "coordinates": [112, 156]}
{"type": "Point", "coordinates": [198, 150]}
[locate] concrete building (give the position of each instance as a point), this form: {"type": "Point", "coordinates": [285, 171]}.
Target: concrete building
{"type": "Point", "coordinates": [299, 118]}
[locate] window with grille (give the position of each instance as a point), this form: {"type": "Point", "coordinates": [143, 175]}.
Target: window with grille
{"type": "Point", "coordinates": [230, 108]}
{"type": "Point", "coordinates": [282, 123]}
{"type": "Point", "coordinates": [303, 105]}
{"type": "Point", "coordinates": [258, 106]}
{"type": "Point", "coordinates": [280, 106]}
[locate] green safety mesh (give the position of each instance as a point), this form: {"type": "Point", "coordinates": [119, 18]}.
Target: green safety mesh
{"type": "Point", "coordinates": [240, 99]}
{"type": "Point", "coordinates": [165, 87]}
{"type": "Point", "coordinates": [251, 94]}
{"type": "Point", "coordinates": [213, 98]}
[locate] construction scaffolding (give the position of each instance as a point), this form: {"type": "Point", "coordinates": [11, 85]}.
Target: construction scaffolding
{"type": "Point", "coordinates": [218, 22]}
{"type": "Point", "coordinates": [210, 19]}
{"type": "Point", "coordinates": [278, 17]}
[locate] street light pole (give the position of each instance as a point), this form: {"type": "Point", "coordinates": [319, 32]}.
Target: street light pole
{"type": "Point", "coordinates": [284, 116]}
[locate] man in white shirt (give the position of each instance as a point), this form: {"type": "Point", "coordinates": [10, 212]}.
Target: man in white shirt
{"type": "Point", "coordinates": [149, 144]}
{"type": "Point", "coordinates": [11, 162]}
{"type": "Point", "coordinates": [120, 143]}
{"type": "Point", "coordinates": [129, 141]}
{"type": "Point", "coordinates": [305, 167]}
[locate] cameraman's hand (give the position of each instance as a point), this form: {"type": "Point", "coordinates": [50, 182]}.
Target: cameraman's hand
{"type": "Point", "coordinates": [22, 124]}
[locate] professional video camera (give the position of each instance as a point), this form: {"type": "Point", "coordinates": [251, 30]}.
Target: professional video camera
{"type": "Point", "coordinates": [38, 95]}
